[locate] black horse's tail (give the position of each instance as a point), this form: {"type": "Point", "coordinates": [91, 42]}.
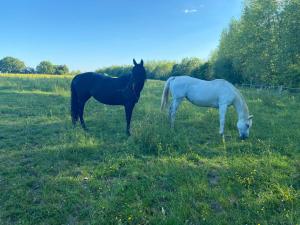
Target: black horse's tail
{"type": "Point", "coordinates": [74, 104]}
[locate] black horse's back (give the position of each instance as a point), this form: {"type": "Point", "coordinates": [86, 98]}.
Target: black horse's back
{"type": "Point", "coordinates": [105, 89]}
{"type": "Point", "coordinates": [124, 90]}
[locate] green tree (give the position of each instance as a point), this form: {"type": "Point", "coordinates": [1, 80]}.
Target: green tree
{"type": "Point", "coordinates": [292, 75]}
{"type": "Point", "coordinates": [61, 69]}
{"type": "Point", "coordinates": [45, 67]}
{"type": "Point", "coordinates": [263, 45]}
{"type": "Point", "coordinates": [289, 33]}
{"type": "Point", "coordinates": [11, 65]}
{"type": "Point", "coordinates": [223, 68]}
{"type": "Point", "coordinates": [186, 66]}
{"type": "Point", "coordinates": [203, 72]}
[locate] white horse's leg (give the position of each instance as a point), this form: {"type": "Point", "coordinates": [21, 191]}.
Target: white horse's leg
{"type": "Point", "coordinates": [173, 108]}
{"type": "Point", "coordinates": [222, 113]}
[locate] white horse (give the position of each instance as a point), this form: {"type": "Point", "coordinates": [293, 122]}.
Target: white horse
{"type": "Point", "coordinates": [217, 93]}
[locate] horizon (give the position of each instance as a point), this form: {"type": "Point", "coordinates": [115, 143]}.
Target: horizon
{"type": "Point", "coordinates": [90, 36]}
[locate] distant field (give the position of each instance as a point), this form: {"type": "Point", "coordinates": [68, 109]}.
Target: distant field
{"type": "Point", "coordinates": [51, 173]}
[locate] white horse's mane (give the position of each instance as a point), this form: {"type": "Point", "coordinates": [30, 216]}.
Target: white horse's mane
{"type": "Point", "coordinates": [242, 101]}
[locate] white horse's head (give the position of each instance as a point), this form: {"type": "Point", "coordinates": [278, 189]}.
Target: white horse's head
{"type": "Point", "coordinates": [244, 126]}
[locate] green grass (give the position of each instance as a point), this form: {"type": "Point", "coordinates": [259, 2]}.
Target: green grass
{"type": "Point", "coordinates": [51, 173]}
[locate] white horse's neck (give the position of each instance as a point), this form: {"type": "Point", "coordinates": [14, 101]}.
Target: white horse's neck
{"type": "Point", "coordinates": [241, 107]}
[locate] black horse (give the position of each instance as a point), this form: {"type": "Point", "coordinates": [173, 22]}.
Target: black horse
{"type": "Point", "coordinates": [124, 90]}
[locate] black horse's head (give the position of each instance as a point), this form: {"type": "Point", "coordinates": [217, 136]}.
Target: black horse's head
{"type": "Point", "coordinates": [138, 71]}
{"type": "Point", "coordinates": [138, 76]}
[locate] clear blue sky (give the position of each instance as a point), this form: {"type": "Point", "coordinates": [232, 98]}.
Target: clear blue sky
{"type": "Point", "coordinates": [89, 34]}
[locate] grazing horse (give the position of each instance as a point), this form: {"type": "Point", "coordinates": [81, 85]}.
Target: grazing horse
{"type": "Point", "coordinates": [217, 93]}
{"type": "Point", "coordinates": [124, 90]}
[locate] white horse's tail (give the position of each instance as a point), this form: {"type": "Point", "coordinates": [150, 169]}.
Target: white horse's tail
{"type": "Point", "coordinates": [165, 94]}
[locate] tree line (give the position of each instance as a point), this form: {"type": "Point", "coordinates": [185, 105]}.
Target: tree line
{"type": "Point", "coordinates": [14, 65]}
{"type": "Point", "coordinates": [262, 47]}
{"type": "Point", "coordinates": [163, 69]}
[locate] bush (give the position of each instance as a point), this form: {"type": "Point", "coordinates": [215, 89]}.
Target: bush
{"type": "Point", "coordinates": [292, 75]}
{"type": "Point", "coordinates": [115, 71]}
{"type": "Point", "coordinates": [28, 70]}
{"type": "Point", "coordinates": [159, 70]}
{"type": "Point", "coordinates": [186, 67]}
{"type": "Point", "coordinates": [61, 69]}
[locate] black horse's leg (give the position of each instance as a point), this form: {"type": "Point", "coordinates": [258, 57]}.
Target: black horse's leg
{"type": "Point", "coordinates": [128, 110]}
{"type": "Point", "coordinates": [80, 112]}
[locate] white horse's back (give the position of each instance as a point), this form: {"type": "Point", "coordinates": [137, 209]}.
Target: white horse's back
{"type": "Point", "coordinates": [202, 92]}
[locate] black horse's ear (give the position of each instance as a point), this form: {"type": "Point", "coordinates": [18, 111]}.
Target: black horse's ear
{"type": "Point", "coordinates": [142, 62]}
{"type": "Point", "coordinates": [134, 62]}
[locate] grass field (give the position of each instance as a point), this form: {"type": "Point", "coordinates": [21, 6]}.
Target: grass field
{"type": "Point", "coordinates": [51, 173]}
